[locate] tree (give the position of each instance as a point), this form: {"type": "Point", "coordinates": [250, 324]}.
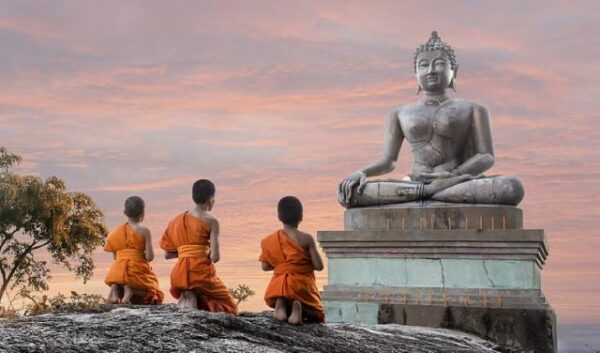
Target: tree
{"type": "Point", "coordinates": [241, 293]}
{"type": "Point", "coordinates": [36, 214]}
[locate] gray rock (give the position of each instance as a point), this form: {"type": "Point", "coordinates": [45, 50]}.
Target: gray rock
{"type": "Point", "coordinates": [169, 328]}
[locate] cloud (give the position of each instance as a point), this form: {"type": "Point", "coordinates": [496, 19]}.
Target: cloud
{"type": "Point", "coordinates": [269, 99]}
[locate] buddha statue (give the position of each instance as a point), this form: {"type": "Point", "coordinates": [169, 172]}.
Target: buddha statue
{"type": "Point", "coordinates": [451, 145]}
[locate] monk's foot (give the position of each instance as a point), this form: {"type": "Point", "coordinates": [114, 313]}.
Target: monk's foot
{"type": "Point", "coordinates": [280, 313]}
{"type": "Point", "coordinates": [127, 295]}
{"type": "Point", "coordinates": [296, 317]}
{"type": "Point", "coordinates": [113, 296]}
{"type": "Point", "coordinates": [188, 300]}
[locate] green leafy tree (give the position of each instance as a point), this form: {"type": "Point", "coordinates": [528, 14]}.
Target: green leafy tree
{"type": "Point", "coordinates": [41, 214]}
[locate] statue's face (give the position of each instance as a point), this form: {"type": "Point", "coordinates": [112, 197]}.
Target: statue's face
{"type": "Point", "coordinates": [434, 72]}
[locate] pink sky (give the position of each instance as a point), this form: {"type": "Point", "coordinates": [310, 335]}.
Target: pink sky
{"type": "Point", "coordinates": [269, 98]}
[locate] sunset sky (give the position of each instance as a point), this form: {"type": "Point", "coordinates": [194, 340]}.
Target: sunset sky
{"type": "Point", "coordinates": [269, 98]}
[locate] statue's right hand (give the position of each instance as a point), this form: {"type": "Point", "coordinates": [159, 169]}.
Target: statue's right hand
{"type": "Point", "coordinates": [346, 186]}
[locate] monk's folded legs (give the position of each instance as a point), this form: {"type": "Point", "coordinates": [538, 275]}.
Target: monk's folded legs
{"type": "Point", "coordinates": [130, 292]}
{"type": "Point", "coordinates": [116, 292]}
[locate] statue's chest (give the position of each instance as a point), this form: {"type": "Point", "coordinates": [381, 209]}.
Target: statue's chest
{"type": "Point", "coordinates": [424, 123]}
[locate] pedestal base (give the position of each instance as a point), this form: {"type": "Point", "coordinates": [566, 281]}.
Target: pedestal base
{"type": "Point", "coordinates": [467, 267]}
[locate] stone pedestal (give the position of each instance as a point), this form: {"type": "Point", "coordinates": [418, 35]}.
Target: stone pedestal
{"type": "Point", "coordinates": [469, 267]}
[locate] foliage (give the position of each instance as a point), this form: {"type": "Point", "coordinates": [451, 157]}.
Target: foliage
{"type": "Point", "coordinates": [8, 159]}
{"type": "Point", "coordinates": [8, 311]}
{"type": "Point", "coordinates": [37, 304]}
{"type": "Point", "coordinates": [241, 293]}
{"type": "Point", "coordinates": [36, 214]}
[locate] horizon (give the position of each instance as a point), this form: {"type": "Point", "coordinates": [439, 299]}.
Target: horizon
{"type": "Point", "coordinates": [271, 99]}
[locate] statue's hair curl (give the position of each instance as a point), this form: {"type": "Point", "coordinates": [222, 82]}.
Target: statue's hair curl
{"type": "Point", "coordinates": [435, 43]}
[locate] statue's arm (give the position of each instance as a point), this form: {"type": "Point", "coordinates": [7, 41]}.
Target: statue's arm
{"type": "Point", "coordinates": [393, 137]}
{"type": "Point", "coordinates": [483, 149]}
{"type": "Point", "coordinates": [392, 140]}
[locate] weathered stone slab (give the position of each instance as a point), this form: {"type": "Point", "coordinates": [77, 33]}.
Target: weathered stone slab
{"type": "Point", "coordinates": [510, 244]}
{"type": "Point", "coordinates": [525, 329]}
{"type": "Point", "coordinates": [469, 297]}
{"type": "Point", "coordinates": [433, 215]}
{"type": "Point", "coordinates": [437, 273]}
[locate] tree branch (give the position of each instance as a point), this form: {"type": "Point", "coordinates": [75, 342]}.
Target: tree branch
{"type": "Point", "coordinates": [18, 261]}
{"type": "Point", "coordinates": [8, 236]}
{"type": "Point", "coordinates": [3, 273]}
{"type": "Point", "coordinates": [41, 245]}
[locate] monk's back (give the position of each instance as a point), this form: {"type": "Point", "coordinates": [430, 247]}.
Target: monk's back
{"type": "Point", "coordinates": [300, 238]}
{"type": "Point", "coordinates": [124, 237]}
{"type": "Point", "coordinates": [187, 229]}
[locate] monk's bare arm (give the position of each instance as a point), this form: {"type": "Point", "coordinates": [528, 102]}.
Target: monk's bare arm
{"type": "Point", "coordinates": [148, 249]}
{"type": "Point", "coordinates": [215, 254]}
{"type": "Point", "coordinates": [267, 266]}
{"type": "Point", "coordinates": [171, 255]}
{"type": "Point", "coordinates": [481, 136]}
{"type": "Point", "coordinates": [314, 254]}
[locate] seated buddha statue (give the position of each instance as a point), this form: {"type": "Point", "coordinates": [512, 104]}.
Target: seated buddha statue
{"type": "Point", "coordinates": [450, 140]}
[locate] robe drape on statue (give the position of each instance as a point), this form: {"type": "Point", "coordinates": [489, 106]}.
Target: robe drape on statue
{"type": "Point", "coordinates": [293, 276]}
{"type": "Point", "coordinates": [130, 266]}
{"type": "Point", "coordinates": [189, 236]}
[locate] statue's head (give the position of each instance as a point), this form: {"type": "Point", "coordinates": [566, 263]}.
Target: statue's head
{"type": "Point", "coordinates": [435, 65]}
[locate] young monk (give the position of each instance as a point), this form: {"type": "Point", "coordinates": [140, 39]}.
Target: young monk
{"type": "Point", "coordinates": [293, 256]}
{"type": "Point", "coordinates": [130, 277]}
{"type": "Point", "coordinates": [193, 238]}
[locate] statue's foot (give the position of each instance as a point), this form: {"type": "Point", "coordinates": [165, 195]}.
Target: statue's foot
{"type": "Point", "coordinates": [438, 185]}
{"type": "Point", "coordinates": [295, 318]}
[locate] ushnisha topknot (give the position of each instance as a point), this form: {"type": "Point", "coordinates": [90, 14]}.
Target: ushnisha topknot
{"type": "Point", "coordinates": [435, 43]}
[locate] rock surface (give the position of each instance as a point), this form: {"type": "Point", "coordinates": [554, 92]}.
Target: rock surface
{"type": "Point", "coordinates": [168, 328]}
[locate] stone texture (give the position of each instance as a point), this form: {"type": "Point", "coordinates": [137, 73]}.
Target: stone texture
{"type": "Point", "coordinates": [529, 329]}
{"type": "Point", "coordinates": [433, 215]}
{"type": "Point", "coordinates": [438, 265]}
{"type": "Point", "coordinates": [439, 273]}
{"type": "Point", "coordinates": [167, 328]}
{"type": "Point", "coordinates": [511, 244]}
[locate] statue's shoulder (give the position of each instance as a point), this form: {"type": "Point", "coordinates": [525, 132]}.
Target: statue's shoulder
{"type": "Point", "coordinates": [406, 108]}
{"type": "Point", "coordinates": [469, 106]}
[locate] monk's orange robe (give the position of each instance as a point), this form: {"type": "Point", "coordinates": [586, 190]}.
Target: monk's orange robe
{"type": "Point", "coordinates": [293, 276]}
{"type": "Point", "coordinates": [130, 266]}
{"type": "Point", "coordinates": [189, 236]}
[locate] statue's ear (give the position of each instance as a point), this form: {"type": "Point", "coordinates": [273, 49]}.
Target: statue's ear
{"type": "Point", "coordinates": [453, 81]}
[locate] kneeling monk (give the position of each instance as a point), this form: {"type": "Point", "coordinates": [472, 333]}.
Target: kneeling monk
{"type": "Point", "coordinates": [293, 256]}
{"type": "Point", "coordinates": [130, 277]}
{"type": "Point", "coordinates": [193, 238]}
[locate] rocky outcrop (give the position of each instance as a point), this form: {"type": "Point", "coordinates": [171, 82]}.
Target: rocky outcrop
{"type": "Point", "coordinates": [167, 328]}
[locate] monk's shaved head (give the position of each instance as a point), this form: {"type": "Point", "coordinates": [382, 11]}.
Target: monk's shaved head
{"type": "Point", "coordinates": [134, 207]}
{"type": "Point", "coordinates": [289, 211]}
{"type": "Point", "coordinates": [202, 191]}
